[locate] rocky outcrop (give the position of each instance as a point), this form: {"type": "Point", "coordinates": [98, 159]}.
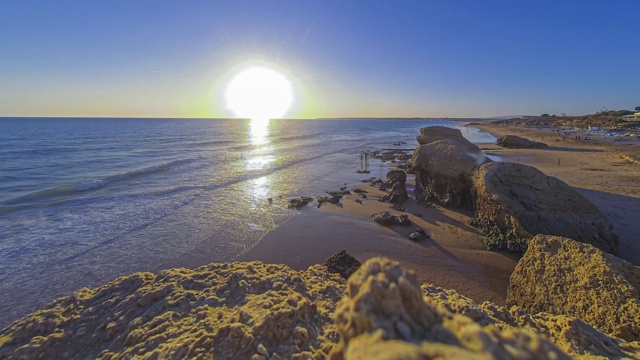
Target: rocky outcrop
{"type": "Point", "coordinates": [227, 311]}
{"type": "Point", "coordinates": [299, 202]}
{"type": "Point", "coordinates": [342, 263]}
{"type": "Point", "coordinates": [515, 202]}
{"type": "Point", "coordinates": [432, 134]}
{"type": "Point", "coordinates": [396, 179]}
{"type": "Point", "coordinates": [443, 171]}
{"type": "Point", "coordinates": [385, 218]}
{"type": "Point", "coordinates": [517, 142]}
{"type": "Point", "coordinates": [564, 277]}
{"type": "Point", "coordinates": [267, 311]}
{"type": "Point", "coordinates": [386, 315]}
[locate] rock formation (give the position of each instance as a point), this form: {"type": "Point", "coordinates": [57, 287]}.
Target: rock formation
{"type": "Point", "coordinates": [386, 315]}
{"type": "Point", "coordinates": [228, 311]}
{"type": "Point", "coordinates": [432, 134]}
{"type": "Point", "coordinates": [517, 142]}
{"type": "Point", "coordinates": [443, 171]}
{"type": "Point", "coordinates": [385, 218]}
{"type": "Point", "coordinates": [266, 311]}
{"type": "Point", "coordinates": [397, 179]}
{"type": "Point", "coordinates": [342, 263]}
{"type": "Point", "coordinates": [562, 276]}
{"type": "Point", "coordinates": [515, 202]}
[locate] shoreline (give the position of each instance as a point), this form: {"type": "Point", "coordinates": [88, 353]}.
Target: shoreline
{"type": "Point", "coordinates": [454, 257]}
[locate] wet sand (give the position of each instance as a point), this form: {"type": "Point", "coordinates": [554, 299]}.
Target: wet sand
{"type": "Point", "coordinates": [454, 257]}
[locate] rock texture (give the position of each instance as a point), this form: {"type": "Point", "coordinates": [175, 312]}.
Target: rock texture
{"type": "Point", "coordinates": [561, 276]}
{"type": "Point", "coordinates": [342, 263]}
{"type": "Point", "coordinates": [443, 171]}
{"type": "Point", "coordinates": [517, 142]}
{"type": "Point", "coordinates": [515, 202]}
{"type": "Point", "coordinates": [396, 179]}
{"type": "Point", "coordinates": [385, 218]}
{"type": "Point", "coordinates": [386, 315]}
{"type": "Point", "coordinates": [432, 134]}
{"type": "Point", "coordinates": [259, 311]}
{"type": "Point", "coordinates": [229, 311]}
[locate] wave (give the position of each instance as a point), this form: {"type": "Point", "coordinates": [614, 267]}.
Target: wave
{"type": "Point", "coordinates": [71, 190]}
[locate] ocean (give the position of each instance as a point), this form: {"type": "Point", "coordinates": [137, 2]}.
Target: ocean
{"type": "Point", "coordinates": [83, 201]}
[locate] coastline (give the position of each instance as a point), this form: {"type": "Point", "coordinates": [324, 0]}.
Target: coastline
{"type": "Point", "coordinates": [454, 257]}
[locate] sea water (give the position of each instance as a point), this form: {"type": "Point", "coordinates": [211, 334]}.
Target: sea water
{"type": "Point", "coordinates": [83, 201]}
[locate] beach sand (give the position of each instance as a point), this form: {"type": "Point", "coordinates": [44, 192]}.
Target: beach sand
{"type": "Point", "coordinates": [454, 257]}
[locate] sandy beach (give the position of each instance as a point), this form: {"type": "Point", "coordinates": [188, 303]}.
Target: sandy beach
{"type": "Point", "coordinates": [454, 256]}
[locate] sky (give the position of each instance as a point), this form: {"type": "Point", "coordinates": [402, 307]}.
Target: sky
{"type": "Point", "coordinates": [454, 58]}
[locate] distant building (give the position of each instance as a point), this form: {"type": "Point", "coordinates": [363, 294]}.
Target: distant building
{"type": "Point", "coordinates": [634, 117]}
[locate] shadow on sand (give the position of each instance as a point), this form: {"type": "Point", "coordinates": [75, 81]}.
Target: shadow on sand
{"type": "Point", "coordinates": [623, 212]}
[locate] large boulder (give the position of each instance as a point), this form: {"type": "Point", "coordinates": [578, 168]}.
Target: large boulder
{"type": "Point", "coordinates": [432, 134]}
{"type": "Point", "coordinates": [564, 277]}
{"type": "Point", "coordinates": [515, 202]}
{"type": "Point", "coordinates": [443, 171]}
{"type": "Point", "coordinates": [517, 142]}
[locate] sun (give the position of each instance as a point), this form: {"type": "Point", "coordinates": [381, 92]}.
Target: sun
{"type": "Point", "coordinates": [259, 92]}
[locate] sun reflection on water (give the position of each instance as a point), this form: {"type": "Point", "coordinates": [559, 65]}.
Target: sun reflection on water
{"type": "Point", "coordinates": [259, 190]}
{"type": "Point", "coordinates": [259, 131]}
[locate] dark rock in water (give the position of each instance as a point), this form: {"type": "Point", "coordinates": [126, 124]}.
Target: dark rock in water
{"type": "Point", "coordinates": [385, 218]}
{"type": "Point", "coordinates": [397, 208]}
{"type": "Point", "coordinates": [342, 263]}
{"type": "Point", "coordinates": [345, 192]}
{"type": "Point", "coordinates": [333, 199]}
{"type": "Point", "coordinates": [300, 202]}
{"type": "Point", "coordinates": [515, 202]}
{"type": "Point", "coordinates": [383, 198]}
{"type": "Point", "coordinates": [418, 235]}
{"type": "Point", "coordinates": [517, 142]}
{"type": "Point", "coordinates": [418, 215]}
{"type": "Point", "coordinates": [363, 171]}
{"type": "Point", "coordinates": [359, 201]}
{"type": "Point", "coordinates": [444, 169]}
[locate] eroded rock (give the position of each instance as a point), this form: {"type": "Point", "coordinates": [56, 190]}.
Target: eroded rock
{"type": "Point", "coordinates": [384, 316]}
{"type": "Point", "coordinates": [443, 171]}
{"type": "Point", "coordinates": [228, 311]}
{"type": "Point", "coordinates": [564, 277]}
{"type": "Point", "coordinates": [515, 202]}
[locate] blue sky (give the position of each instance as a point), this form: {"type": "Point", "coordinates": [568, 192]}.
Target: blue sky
{"type": "Point", "coordinates": [345, 58]}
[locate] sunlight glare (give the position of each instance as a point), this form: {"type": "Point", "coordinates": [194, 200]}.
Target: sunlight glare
{"type": "Point", "coordinates": [259, 93]}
